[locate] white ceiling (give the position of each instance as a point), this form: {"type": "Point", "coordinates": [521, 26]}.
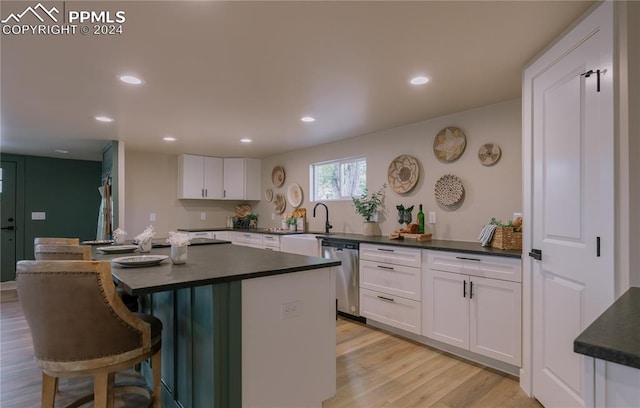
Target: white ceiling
{"type": "Point", "coordinates": [216, 72]}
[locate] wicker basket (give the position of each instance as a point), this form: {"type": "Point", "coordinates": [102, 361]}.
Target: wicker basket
{"type": "Point", "coordinates": [506, 238]}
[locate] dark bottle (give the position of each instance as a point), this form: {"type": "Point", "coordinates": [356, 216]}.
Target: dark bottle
{"type": "Point", "coordinates": [420, 221]}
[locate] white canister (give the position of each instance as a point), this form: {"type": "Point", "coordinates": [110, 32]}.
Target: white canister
{"type": "Point", "coordinates": [179, 254]}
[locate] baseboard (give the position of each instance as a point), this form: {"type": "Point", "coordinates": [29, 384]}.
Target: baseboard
{"type": "Point", "coordinates": [8, 285]}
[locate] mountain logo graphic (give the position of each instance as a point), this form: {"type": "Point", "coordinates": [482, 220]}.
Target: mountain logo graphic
{"type": "Point", "coordinates": [33, 10]}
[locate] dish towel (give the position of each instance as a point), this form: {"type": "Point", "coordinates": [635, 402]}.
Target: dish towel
{"type": "Point", "coordinates": [487, 234]}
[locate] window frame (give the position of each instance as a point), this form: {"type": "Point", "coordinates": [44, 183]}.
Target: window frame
{"type": "Point", "coordinates": [340, 162]}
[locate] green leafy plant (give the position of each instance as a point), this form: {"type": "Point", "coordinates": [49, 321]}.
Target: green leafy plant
{"type": "Point", "coordinates": [499, 223]}
{"type": "Point", "coordinates": [291, 220]}
{"type": "Point", "coordinates": [366, 205]}
{"type": "Point", "coordinates": [252, 217]}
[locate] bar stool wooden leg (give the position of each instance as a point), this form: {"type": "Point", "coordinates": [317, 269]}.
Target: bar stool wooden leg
{"type": "Point", "coordinates": [156, 367]}
{"type": "Point", "coordinates": [103, 390]}
{"type": "Point", "coordinates": [49, 387]}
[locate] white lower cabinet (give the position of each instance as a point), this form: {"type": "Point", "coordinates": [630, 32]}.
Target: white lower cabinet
{"type": "Point", "coordinates": [201, 234]}
{"type": "Point", "coordinates": [271, 242]}
{"type": "Point", "coordinates": [253, 240]}
{"type": "Point", "coordinates": [221, 235]}
{"type": "Point", "coordinates": [390, 281]}
{"type": "Point", "coordinates": [475, 313]}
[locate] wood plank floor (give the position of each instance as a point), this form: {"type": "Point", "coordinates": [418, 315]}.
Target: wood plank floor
{"type": "Point", "coordinates": [378, 369]}
{"type": "Point", "coordinates": [374, 369]}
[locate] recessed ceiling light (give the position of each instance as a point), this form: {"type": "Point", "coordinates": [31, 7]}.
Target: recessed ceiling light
{"type": "Point", "coordinates": [419, 80]}
{"type": "Point", "coordinates": [308, 119]}
{"type": "Point", "coordinates": [130, 79]}
{"type": "Point", "coordinates": [245, 140]}
{"type": "Point", "coordinates": [169, 139]}
{"type": "Point", "coordinates": [61, 151]}
{"type": "Point", "coordinates": [104, 119]}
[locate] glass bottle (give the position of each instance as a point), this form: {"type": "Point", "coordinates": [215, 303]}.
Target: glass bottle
{"type": "Point", "coordinates": [420, 221]}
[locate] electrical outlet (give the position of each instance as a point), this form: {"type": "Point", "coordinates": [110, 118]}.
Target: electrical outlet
{"type": "Point", "coordinates": [203, 215]}
{"type": "Point", "coordinates": [273, 216]}
{"type": "Point", "coordinates": [152, 217]}
{"type": "Point", "coordinates": [432, 217]}
{"type": "Point", "coordinates": [290, 309]}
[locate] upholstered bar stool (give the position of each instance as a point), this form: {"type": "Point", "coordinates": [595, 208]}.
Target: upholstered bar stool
{"type": "Point", "coordinates": [48, 252]}
{"type": "Point", "coordinates": [80, 327]}
{"type": "Point", "coordinates": [56, 241]}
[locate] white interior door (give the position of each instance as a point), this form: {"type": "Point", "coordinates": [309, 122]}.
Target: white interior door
{"type": "Point", "coordinates": [572, 204]}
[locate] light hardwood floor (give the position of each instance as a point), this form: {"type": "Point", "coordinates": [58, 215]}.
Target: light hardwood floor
{"type": "Point", "coordinates": [374, 369]}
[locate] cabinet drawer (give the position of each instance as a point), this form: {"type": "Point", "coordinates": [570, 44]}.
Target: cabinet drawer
{"type": "Point", "coordinates": [221, 235]}
{"type": "Point", "coordinates": [396, 280]}
{"type": "Point", "coordinates": [496, 267]}
{"type": "Point", "coordinates": [391, 254]}
{"type": "Point", "coordinates": [392, 310]}
{"type": "Point", "coordinates": [246, 238]}
{"type": "Point", "coordinates": [271, 241]}
{"type": "Point", "coordinates": [201, 234]}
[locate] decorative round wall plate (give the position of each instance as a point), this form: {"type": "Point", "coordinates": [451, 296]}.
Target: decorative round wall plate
{"type": "Point", "coordinates": [449, 144]}
{"type": "Point", "coordinates": [449, 190]}
{"type": "Point", "coordinates": [277, 176]}
{"type": "Point", "coordinates": [403, 173]}
{"type": "Point", "coordinates": [489, 154]}
{"type": "Point", "coordinates": [279, 203]}
{"type": "Point", "coordinates": [268, 194]}
{"type": "Point", "coordinates": [294, 195]}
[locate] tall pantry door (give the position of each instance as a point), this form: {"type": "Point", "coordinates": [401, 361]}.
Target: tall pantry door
{"type": "Point", "coordinates": [572, 220]}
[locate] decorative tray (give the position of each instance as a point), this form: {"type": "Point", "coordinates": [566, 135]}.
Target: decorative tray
{"type": "Point", "coordinates": [118, 249]}
{"type": "Point", "coordinates": [139, 260]}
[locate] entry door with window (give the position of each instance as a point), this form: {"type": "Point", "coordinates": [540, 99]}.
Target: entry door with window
{"type": "Point", "coordinates": [569, 94]}
{"type": "Point", "coordinates": [8, 220]}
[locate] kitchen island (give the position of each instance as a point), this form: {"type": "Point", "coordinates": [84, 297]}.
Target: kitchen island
{"type": "Point", "coordinates": [241, 326]}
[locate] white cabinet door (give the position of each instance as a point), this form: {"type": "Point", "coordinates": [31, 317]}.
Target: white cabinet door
{"type": "Point", "coordinates": [495, 319]}
{"type": "Point", "coordinates": [241, 179]}
{"type": "Point", "coordinates": [233, 179]}
{"type": "Point", "coordinates": [446, 308]}
{"type": "Point", "coordinates": [190, 176]}
{"type": "Point", "coordinates": [199, 177]}
{"type": "Point", "coordinates": [212, 178]}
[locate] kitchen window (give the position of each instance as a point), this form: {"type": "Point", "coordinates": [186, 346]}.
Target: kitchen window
{"type": "Point", "coordinates": [338, 179]}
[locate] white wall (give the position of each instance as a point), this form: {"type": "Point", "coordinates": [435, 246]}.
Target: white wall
{"type": "Point", "coordinates": [489, 191]}
{"type": "Point", "coordinates": [152, 187]}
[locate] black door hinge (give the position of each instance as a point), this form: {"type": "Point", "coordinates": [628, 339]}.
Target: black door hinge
{"type": "Point", "coordinates": [591, 72]}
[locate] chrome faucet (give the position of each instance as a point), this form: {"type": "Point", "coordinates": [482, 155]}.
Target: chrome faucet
{"type": "Point", "coordinates": [327, 226]}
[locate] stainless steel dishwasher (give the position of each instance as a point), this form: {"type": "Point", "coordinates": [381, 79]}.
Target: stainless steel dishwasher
{"type": "Point", "coordinates": [347, 279]}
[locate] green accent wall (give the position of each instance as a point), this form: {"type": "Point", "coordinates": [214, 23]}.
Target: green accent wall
{"type": "Point", "coordinates": [66, 190]}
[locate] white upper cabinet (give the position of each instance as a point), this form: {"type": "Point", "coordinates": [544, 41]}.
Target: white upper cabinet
{"type": "Point", "coordinates": [214, 178]}
{"type": "Point", "coordinates": [200, 177]}
{"type": "Point", "coordinates": [241, 179]}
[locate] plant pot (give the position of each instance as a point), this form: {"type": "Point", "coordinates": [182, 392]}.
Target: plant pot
{"type": "Point", "coordinates": [369, 228]}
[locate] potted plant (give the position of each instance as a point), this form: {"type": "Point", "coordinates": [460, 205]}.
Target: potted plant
{"type": "Point", "coordinates": [367, 206]}
{"type": "Point", "coordinates": [253, 220]}
{"type": "Point", "coordinates": [292, 222]}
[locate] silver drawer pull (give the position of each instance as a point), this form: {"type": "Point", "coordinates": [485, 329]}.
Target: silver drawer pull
{"type": "Point", "coordinates": [468, 259]}
{"type": "Point", "coordinates": [385, 250]}
{"type": "Point", "coordinates": [385, 267]}
{"type": "Point", "coordinates": [386, 298]}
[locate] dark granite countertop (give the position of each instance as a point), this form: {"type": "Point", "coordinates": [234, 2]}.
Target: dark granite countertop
{"type": "Point", "coordinates": [209, 264]}
{"type": "Point", "coordinates": [615, 335]}
{"type": "Point", "coordinates": [436, 244]}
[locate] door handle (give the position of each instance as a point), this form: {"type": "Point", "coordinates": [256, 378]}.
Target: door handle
{"type": "Point", "coordinates": [9, 228]}
{"type": "Point", "coordinates": [536, 254]}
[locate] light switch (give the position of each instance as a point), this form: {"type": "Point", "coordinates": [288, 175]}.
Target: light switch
{"type": "Point", "coordinates": [38, 215]}
{"type": "Point", "coordinates": [432, 217]}
{"type": "Point", "coordinates": [152, 217]}
{"type": "Point", "coordinates": [203, 215]}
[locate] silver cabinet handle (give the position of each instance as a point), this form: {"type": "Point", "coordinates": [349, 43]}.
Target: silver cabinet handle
{"type": "Point", "coordinates": [385, 250]}
{"type": "Point", "coordinates": [468, 259]}
{"type": "Point", "coordinates": [385, 267]}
